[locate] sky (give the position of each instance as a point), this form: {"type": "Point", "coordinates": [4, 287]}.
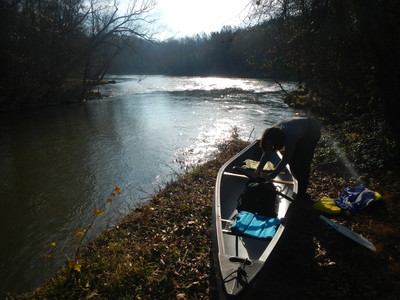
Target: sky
{"type": "Point", "coordinates": [180, 18]}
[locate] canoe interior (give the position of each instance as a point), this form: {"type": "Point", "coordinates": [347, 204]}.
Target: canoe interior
{"type": "Point", "coordinates": [237, 251]}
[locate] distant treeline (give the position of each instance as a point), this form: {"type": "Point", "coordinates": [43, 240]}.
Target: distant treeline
{"type": "Point", "coordinates": [250, 52]}
{"type": "Point", "coordinates": [345, 53]}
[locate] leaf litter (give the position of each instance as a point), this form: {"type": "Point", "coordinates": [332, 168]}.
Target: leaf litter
{"type": "Point", "coordinates": [162, 250]}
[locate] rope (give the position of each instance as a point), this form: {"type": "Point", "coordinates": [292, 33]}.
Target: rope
{"type": "Point", "coordinates": [241, 274]}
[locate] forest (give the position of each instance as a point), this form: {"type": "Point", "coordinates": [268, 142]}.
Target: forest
{"type": "Point", "coordinates": [343, 53]}
{"type": "Point", "coordinates": [235, 52]}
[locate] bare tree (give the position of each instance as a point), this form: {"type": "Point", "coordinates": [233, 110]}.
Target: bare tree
{"type": "Point", "coordinates": [109, 31]}
{"type": "Point", "coordinates": [45, 44]}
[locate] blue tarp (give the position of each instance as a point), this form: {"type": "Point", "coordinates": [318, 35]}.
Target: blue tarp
{"type": "Point", "coordinates": [254, 225]}
{"type": "Point", "coordinates": [356, 198]}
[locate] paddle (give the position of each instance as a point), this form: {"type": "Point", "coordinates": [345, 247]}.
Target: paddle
{"type": "Point", "coordinates": [342, 229]}
{"type": "Point", "coordinates": [272, 180]}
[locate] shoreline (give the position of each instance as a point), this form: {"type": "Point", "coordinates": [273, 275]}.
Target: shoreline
{"type": "Point", "coordinates": [162, 250]}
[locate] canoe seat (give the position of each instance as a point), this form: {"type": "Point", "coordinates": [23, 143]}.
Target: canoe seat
{"type": "Point", "coordinates": [254, 225]}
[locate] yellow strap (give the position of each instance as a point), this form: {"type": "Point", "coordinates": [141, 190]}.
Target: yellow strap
{"type": "Point", "coordinates": [253, 164]}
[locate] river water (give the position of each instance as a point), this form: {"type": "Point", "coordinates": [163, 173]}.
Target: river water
{"type": "Point", "coordinates": [58, 164]}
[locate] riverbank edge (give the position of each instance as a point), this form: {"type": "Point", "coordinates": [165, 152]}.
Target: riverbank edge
{"type": "Point", "coordinates": [70, 93]}
{"type": "Point", "coordinates": [162, 250]}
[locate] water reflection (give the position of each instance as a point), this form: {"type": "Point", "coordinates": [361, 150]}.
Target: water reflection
{"type": "Point", "coordinates": [134, 84]}
{"type": "Point", "coordinates": [59, 163]}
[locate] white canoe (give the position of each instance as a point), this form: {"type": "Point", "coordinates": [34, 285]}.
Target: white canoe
{"type": "Point", "coordinates": [240, 258]}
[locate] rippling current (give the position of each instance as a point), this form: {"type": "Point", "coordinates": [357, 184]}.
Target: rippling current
{"type": "Point", "coordinates": [60, 163]}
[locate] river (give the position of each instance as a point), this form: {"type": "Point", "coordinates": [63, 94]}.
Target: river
{"type": "Point", "coordinates": [58, 164]}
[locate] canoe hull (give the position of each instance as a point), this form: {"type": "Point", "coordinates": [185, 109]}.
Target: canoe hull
{"type": "Point", "coordinates": [239, 259]}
